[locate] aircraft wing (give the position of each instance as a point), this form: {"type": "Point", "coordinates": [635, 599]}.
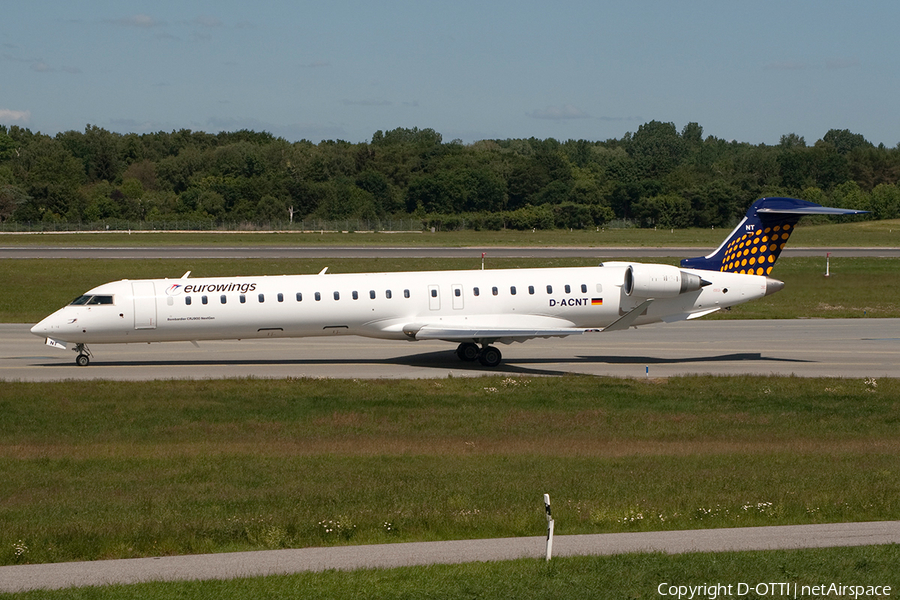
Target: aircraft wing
{"type": "Point", "coordinates": [468, 332]}
{"type": "Point", "coordinates": [488, 334]}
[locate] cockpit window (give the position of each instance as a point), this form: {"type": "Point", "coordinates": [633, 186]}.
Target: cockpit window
{"type": "Point", "coordinates": [93, 299]}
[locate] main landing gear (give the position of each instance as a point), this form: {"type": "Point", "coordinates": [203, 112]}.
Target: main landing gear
{"type": "Point", "coordinates": [486, 355]}
{"type": "Point", "coordinates": [84, 355]}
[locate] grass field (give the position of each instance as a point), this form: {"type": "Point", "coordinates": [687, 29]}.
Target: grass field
{"type": "Point", "coordinates": [92, 470]}
{"type": "Point", "coordinates": [624, 576]}
{"type": "Point", "coordinates": [849, 234]}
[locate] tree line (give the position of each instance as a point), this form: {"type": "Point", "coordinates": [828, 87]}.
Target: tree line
{"type": "Point", "coordinates": [656, 176]}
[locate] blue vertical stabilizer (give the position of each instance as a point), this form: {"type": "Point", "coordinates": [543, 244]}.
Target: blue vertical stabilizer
{"type": "Point", "coordinates": [757, 241]}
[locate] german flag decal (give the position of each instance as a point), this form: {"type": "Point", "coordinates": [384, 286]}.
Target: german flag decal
{"type": "Point", "coordinates": [596, 301]}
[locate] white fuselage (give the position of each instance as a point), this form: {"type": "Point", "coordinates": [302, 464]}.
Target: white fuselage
{"type": "Point", "coordinates": [384, 305]}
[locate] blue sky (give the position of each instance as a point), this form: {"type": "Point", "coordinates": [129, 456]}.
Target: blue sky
{"type": "Point", "coordinates": [750, 71]}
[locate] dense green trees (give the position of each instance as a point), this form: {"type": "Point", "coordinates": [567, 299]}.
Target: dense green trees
{"type": "Point", "coordinates": [654, 177]}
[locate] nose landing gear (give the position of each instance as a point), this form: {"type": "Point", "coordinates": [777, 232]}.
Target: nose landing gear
{"type": "Point", "coordinates": [488, 356]}
{"type": "Point", "coordinates": [84, 355]}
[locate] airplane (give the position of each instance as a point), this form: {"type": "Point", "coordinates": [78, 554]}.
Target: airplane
{"type": "Point", "coordinates": [472, 308]}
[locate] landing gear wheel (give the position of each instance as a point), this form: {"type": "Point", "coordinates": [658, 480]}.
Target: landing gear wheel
{"type": "Point", "coordinates": [490, 356]}
{"type": "Point", "coordinates": [467, 351]}
{"type": "Point", "coordinates": [84, 355]}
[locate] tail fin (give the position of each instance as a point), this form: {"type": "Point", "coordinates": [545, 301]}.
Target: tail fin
{"type": "Point", "coordinates": [757, 241]}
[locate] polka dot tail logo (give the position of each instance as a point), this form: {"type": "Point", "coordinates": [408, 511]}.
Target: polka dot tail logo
{"type": "Point", "coordinates": [755, 252]}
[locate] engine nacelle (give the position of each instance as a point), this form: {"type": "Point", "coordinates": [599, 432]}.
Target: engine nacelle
{"type": "Point", "coordinates": [659, 281]}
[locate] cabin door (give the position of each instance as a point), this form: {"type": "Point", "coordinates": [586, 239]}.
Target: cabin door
{"type": "Point", "coordinates": [434, 297]}
{"type": "Point", "coordinates": [144, 304]}
{"type": "Point", "coordinates": [457, 291]}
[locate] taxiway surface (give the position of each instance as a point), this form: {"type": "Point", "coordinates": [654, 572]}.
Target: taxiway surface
{"type": "Point", "coordinates": [279, 562]}
{"type": "Point", "coordinates": [805, 347]}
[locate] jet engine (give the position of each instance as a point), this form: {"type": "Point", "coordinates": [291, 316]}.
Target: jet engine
{"type": "Point", "coordinates": [659, 281]}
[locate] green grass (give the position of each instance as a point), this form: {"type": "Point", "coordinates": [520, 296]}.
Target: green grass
{"type": "Point", "coordinates": [857, 287]}
{"type": "Point", "coordinates": [92, 470]}
{"type": "Point", "coordinates": [851, 234]}
{"type": "Point", "coordinates": [575, 578]}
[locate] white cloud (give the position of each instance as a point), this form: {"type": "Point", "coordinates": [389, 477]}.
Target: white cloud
{"type": "Point", "coordinates": [368, 102]}
{"type": "Point", "coordinates": [796, 65]}
{"type": "Point", "coordinates": [21, 116]}
{"type": "Point", "coordinates": [842, 63]}
{"type": "Point", "coordinates": [140, 20]}
{"type": "Point", "coordinates": [787, 65]}
{"type": "Point", "coordinates": [207, 21]}
{"type": "Point", "coordinates": [316, 64]}
{"type": "Point", "coordinates": [557, 113]}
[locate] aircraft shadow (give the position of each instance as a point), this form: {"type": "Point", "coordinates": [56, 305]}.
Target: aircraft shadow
{"type": "Point", "coordinates": [652, 360]}
{"type": "Point", "coordinates": [446, 360]}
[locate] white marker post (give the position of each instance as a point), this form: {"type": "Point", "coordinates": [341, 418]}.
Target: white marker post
{"type": "Point", "coordinates": [828, 264]}
{"type": "Point", "coordinates": [549, 526]}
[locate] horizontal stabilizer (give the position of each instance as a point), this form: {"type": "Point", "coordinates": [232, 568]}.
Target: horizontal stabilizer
{"type": "Point", "coordinates": [812, 210]}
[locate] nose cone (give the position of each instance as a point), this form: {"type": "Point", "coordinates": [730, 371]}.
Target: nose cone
{"type": "Point", "coordinates": [41, 329]}
{"type": "Point", "coordinates": [50, 326]}
{"type": "Point", "coordinates": [773, 285]}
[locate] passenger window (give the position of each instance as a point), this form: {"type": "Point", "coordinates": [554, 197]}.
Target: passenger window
{"type": "Point", "coordinates": [457, 292]}
{"type": "Point", "coordinates": [262, 297]}
{"type": "Point", "coordinates": [512, 290]}
{"type": "Point", "coordinates": [204, 300]}
{"type": "Point", "coordinates": [387, 294]}
{"type": "Point", "coordinates": [476, 292]}
{"type": "Point", "coordinates": [372, 294]}
{"type": "Point", "coordinates": [583, 288]}
{"type": "Point", "coordinates": [549, 289]}
{"type": "Point", "coordinates": [280, 297]}
{"type": "Point", "coordinates": [406, 293]}
{"type": "Point", "coordinates": [299, 297]}
{"type": "Point", "coordinates": [318, 296]}
{"type": "Point", "coordinates": [187, 300]}
{"type": "Point", "coordinates": [223, 299]}
{"type": "Point", "coordinates": [337, 295]}
{"type": "Point", "coordinates": [355, 295]}
{"type": "Point", "coordinates": [568, 289]}
{"type": "Point", "coordinates": [243, 299]}
{"type": "Point", "coordinates": [494, 290]}
{"type": "Point", "coordinates": [434, 293]}
{"type": "Point", "coordinates": [531, 290]}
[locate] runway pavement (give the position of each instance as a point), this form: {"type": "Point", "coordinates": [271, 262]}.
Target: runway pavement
{"type": "Point", "coordinates": [279, 562]}
{"type": "Point", "coordinates": [805, 348]}
{"type": "Point", "coordinates": [599, 252]}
